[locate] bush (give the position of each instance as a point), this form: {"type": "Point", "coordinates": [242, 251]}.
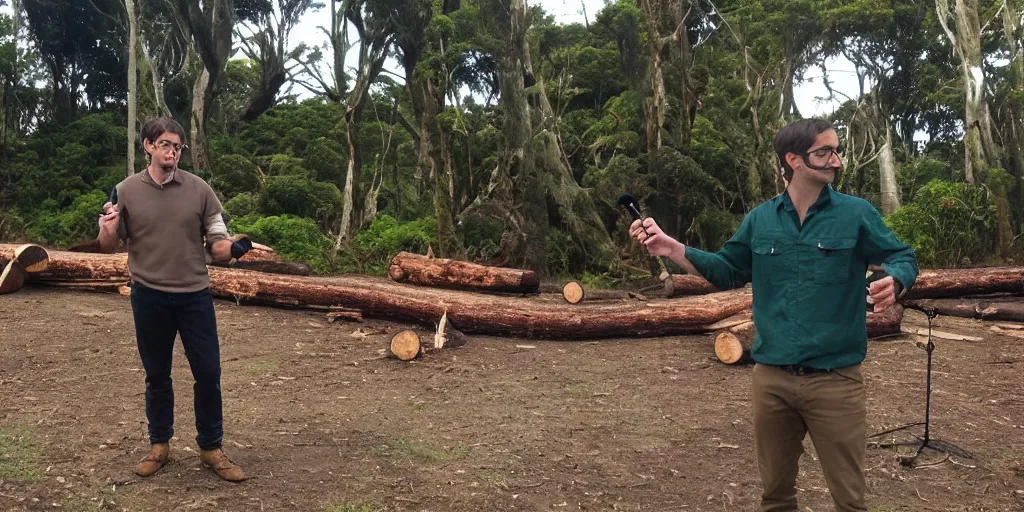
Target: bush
{"type": "Point", "coordinates": [301, 197]}
{"type": "Point", "coordinates": [243, 204]}
{"type": "Point", "coordinates": [76, 224]}
{"type": "Point", "coordinates": [948, 224]}
{"type": "Point", "coordinates": [294, 238]}
{"type": "Point", "coordinates": [386, 236]}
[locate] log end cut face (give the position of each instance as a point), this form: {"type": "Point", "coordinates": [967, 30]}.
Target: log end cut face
{"type": "Point", "coordinates": [13, 278]}
{"type": "Point", "coordinates": [33, 259]}
{"type": "Point", "coordinates": [406, 345]}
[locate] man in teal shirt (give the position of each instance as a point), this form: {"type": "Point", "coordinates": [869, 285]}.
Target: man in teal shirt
{"type": "Point", "coordinates": [806, 253]}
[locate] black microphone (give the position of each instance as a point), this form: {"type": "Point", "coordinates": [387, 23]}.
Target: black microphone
{"type": "Point", "coordinates": [633, 207]}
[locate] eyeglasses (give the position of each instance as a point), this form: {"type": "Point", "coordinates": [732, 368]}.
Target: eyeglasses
{"type": "Point", "coordinates": [826, 152]}
{"type": "Point", "coordinates": [164, 145]}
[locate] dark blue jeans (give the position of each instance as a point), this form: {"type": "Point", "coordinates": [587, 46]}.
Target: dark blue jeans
{"type": "Point", "coordinates": [159, 317]}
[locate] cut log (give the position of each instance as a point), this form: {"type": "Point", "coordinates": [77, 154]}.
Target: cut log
{"type": "Point", "coordinates": [573, 292]}
{"type": "Point", "coordinates": [33, 259]}
{"type": "Point", "coordinates": [460, 275]}
{"type": "Point", "coordinates": [681, 285]}
{"type": "Point", "coordinates": [13, 277]}
{"type": "Point", "coordinates": [471, 312]}
{"type": "Point", "coordinates": [948, 283]}
{"type": "Point", "coordinates": [738, 319]}
{"type": "Point", "coordinates": [290, 268]}
{"type": "Point", "coordinates": [733, 348]}
{"type": "Point", "coordinates": [1010, 309]}
{"type": "Point", "coordinates": [885, 323]}
{"type": "Point", "coordinates": [406, 346]}
{"type": "Point", "coordinates": [260, 252]}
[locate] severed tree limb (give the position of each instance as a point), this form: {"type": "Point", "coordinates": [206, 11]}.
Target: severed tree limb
{"type": "Point", "coordinates": [998, 308]}
{"type": "Point", "coordinates": [447, 273]}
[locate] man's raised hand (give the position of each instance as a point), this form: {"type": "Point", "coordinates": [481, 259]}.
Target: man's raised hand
{"type": "Point", "coordinates": [656, 241]}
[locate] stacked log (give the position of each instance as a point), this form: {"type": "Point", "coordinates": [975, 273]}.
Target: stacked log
{"type": "Point", "coordinates": [472, 312]}
{"type": "Point", "coordinates": [460, 275]}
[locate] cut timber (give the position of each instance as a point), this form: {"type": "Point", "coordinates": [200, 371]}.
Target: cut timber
{"type": "Point", "coordinates": [460, 275]}
{"type": "Point", "coordinates": [345, 314]}
{"type": "Point", "coordinates": [406, 345]}
{"type": "Point", "coordinates": [1009, 309]}
{"type": "Point", "coordinates": [260, 252]}
{"type": "Point", "coordinates": [32, 258]}
{"type": "Point", "coordinates": [13, 277]}
{"type": "Point", "coordinates": [290, 268]}
{"type": "Point", "coordinates": [680, 285]}
{"type": "Point", "coordinates": [732, 321]}
{"type": "Point", "coordinates": [733, 348]}
{"type": "Point", "coordinates": [942, 335]}
{"type": "Point", "coordinates": [1007, 332]}
{"type": "Point", "coordinates": [473, 313]}
{"type": "Point", "coordinates": [946, 283]}
{"type": "Point", "coordinates": [886, 322]}
{"type": "Point", "coordinates": [573, 292]}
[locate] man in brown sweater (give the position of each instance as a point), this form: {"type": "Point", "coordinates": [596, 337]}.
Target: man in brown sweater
{"type": "Point", "coordinates": [171, 221]}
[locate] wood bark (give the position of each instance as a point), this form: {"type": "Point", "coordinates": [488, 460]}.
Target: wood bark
{"type": "Point", "coordinates": [12, 278]}
{"type": "Point", "coordinates": [471, 312]}
{"type": "Point", "coordinates": [945, 283]}
{"type": "Point", "coordinates": [446, 273]}
{"type": "Point", "coordinates": [887, 172]}
{"type": "Point", "coordinates": [1000, 308]}
{"type": "Point", "coordinates": [679, 285]}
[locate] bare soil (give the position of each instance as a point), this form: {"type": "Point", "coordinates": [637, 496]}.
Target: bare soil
{"type": "Point", "coordinates": [322, 421]}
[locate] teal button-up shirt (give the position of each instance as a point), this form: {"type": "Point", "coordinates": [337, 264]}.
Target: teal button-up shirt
{"type": "Point", "coordinates": [809, 281]}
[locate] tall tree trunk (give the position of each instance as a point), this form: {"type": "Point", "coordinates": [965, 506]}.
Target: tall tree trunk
{"type": "Point", "coordinates": [967, 44]}
{"type": "Point", "coordinates": [1015, 126]}
{"type": "Point", "coordinates": [200, 157]}
{"type": "Point", "coordinates": [887, 172]}
{"type": "Point", "coordinates": [133, 89]}
{"type": "Point", "coordinates": [656, 44]}
{"type": "Point", "coordinates": [688, 110]}
{"type": "Point", "coordinates": [352, 121]}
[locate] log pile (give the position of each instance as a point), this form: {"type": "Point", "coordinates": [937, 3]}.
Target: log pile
{"type": "Point", "coordinates": [481, 299]}
{"type": "Point", "coordinates": [471, 312]}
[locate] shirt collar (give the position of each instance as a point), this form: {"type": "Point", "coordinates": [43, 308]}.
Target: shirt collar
{"type": "Point", "coordinates": [825, 197]}
{"type": "Point", "coordinates": [148, 178]}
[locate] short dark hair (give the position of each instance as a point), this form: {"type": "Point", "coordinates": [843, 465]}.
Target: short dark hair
{"type": "Point", "coordinates": [797, 137]}
{"type": "Point", "coordinates": [158, 126]}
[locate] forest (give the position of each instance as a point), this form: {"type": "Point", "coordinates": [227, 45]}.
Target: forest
{"type": "Point", "coordinates": [505, 138]}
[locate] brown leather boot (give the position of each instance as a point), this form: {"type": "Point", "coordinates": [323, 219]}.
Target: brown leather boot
{"type": "Point", "coordinates": [156, 459]}
{"type": "Point", "coordinates": [222, 465]}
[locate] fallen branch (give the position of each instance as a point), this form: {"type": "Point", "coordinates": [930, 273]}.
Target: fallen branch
{"type": "Point", "coordinates": [1003, 308]}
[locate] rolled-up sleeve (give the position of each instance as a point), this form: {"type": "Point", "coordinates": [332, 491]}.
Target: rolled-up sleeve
{"type": "Point", "coordinates": [213, 222]}
{"type": "Point", "coordinates": [882, 247]}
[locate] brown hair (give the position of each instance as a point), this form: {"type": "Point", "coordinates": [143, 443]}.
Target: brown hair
{"type": "Point", "coordinates": [158, 126]}
{"type": "Point", "coordinates": [797, 137]}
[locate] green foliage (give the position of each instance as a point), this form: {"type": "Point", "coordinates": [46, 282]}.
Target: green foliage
{"type": "Point", "coordinates": [246, 203]}
{"type": "Point", "coordinates": [948, 224]}
{"type": "Point", "coordinates": [294, 238]}
{"type": "Point", "coordinates": [481, 236]}
{"type": "Point", "coordinates": [299, 196]}
{"type": "Point", "coordinates": [18, 456]}
{"type": "Point", "coordinates": [65, 227]}
{"type": "Point", "coordinates": [386, 236]}
{"type": "Point", "coordinates": [233, 175]}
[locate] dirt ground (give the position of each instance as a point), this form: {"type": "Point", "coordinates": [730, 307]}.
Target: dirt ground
{"type": "Point", "coordinates": [321, 421]}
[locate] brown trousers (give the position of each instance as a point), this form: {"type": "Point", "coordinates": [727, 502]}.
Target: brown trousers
{"type": "Point", "coordinates": [829, 406]}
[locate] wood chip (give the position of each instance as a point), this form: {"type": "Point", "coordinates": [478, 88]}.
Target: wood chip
{"type": "Point", "coordinates": [526, 346]}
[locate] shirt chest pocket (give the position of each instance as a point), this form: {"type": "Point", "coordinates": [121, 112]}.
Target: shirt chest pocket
{"type": "Point", "coordinates": [770, 258]}
{"type": "Point", "coordinates": [833, 259]}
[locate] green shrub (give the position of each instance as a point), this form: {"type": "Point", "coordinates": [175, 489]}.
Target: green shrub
{"type": "Point", "coordinates": [243, 204]}
{"type": "Point", "coordinates": [386, 236]}
{"type": "Point", "coordinates": [301, 197]}
{"type": "Point", "coordinates": [948, 224]}
{"type": "Point", "coordinates": [294, 238]}
{"type": "Point", "coordinates": [75, 224]}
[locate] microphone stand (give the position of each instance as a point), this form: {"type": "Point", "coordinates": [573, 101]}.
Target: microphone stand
{"type": "Point", "coordinates": [926, 441]}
